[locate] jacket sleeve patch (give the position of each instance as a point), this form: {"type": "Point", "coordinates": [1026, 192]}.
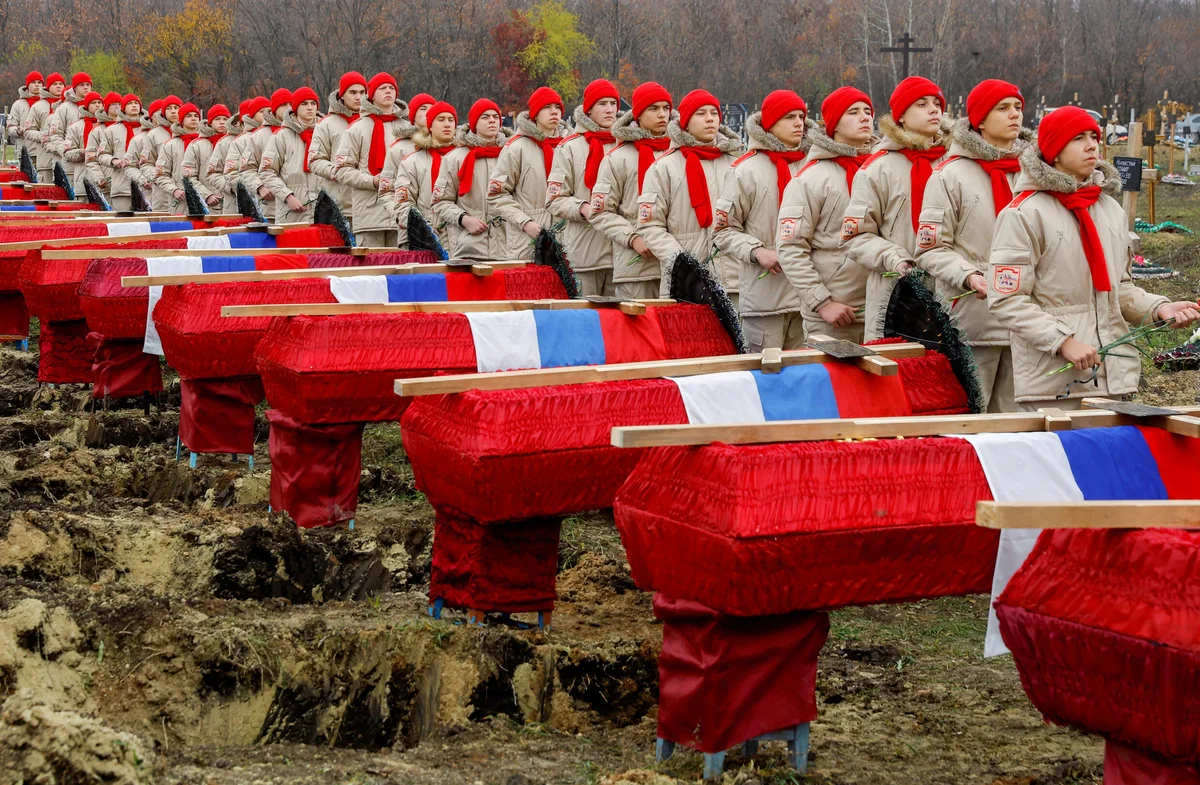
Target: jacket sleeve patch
{"type": "Point", "coordinates": [851, 226]}
{"type": "Point", "coordinates": [494, 187]}
{"type": "Point", "coordinates": [598, 200]}
{"type": "Point", "coordinates": [553, 189]}
{"type": "Point", "coordinates": [402, 193]}
{"type": "Point", "coordinates": [1006, 279]}
{"type": "Point", "coordinates": [927, 235]}
{"type": "Point", "coordinates": [645, 212]}
{"type": "Point", "coordinates": [721, 221]}
{"type": "Point", "coordinates": [787, 229]}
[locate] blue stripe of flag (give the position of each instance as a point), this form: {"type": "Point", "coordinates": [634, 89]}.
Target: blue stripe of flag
{"type": "Point", "coordinates": [798, 392]}
{"type": "Point", "coordinates": [1112, 463]}
{"type": "Point", "coordinates": [251, 240]}
{"type": "Point", "coordinates": [568, 338]}
{"type": "Point", "coordinates": [226, 264]}
{"type": "Point", "coordinates": [171, 226]}
{"type": "Point", "coordinates": [19, 208]}
{"type": "Point", "coordinates": [422, 288]}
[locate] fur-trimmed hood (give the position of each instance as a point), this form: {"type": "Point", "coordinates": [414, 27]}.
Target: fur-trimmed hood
{"type": "Point", "coordinates": [727, 141]}
{"type": "Point", "coordinates": [527, 127]}
{"type": "Point", "coordinates": [823, 145]}
{"type": "Point", "coordinates": [890, 131]}
{"type": "Point", "coordinates": [292, 122]}
{"type": "Point", "coordinates": [178, 130]}
{"type": "Point", "coordinates": [626, 129]}
{"type": "Point", "coordinates": [404, 129]}
{"type": "Point", "coordinates": [423, 140]}
{"type": "Point", "coordinates": [762, 139]}
{"type": "Point", "coordinates": [70, 95]}
{"type": "Point", "coordinates": [336, 106]}
{"type": "Point", "coordinates": [249, 125]}
{"type": "Point", "coordinates": [233, 128]}
{"type": "Point", "coordinates": [966, 141]}
{"type": "Point", "coordinates": [24, 93]}
{"type": "Point", "coordinates": [583, 123]}
{"type": "Point", "coordinates": [147, 124]}
{"type": "Point", "coordinates": [1037, 175]}
{"type": "Point", "coordinates": [465, 137]}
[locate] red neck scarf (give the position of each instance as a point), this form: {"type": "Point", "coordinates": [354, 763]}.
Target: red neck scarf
{"type": "Point", "coordinates": [922, 168]}
{"type": "Point", "coordinates": [999, 171]}
{"type": "Point", "coordinates": [646, 149]}
{"type": "Point", "coordinates": [216, 138]}
{"type": "Point", "coordinates": [377, 155]}
{"type": "Point", "coordinates": [698, 182]}
{"type": "Point", "coordinates": [188, 139]}
{"type": "Point", "coordinates": [783, 173]}
{"type": "Point", "coordinates": [435, 166]}
{"type": "Point", "coordinates": [131, 127]}
{"type": "Point", "coordinates": [1078, 203]}
{"type": "Point", "coordinates": [548, 144]}
{"type": "Point", "coordinates": [596, 141]}
{"type": "Point", "coordinates": [88, 124]}
{"type": "Point", "coordinates": [466, 172]}
{"type": "Point", "coordinates": [306, 137]}
{"type": "Point", "coordinates": [851, 163]}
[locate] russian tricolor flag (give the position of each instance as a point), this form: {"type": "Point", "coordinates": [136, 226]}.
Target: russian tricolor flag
{"type": "Point", "coordinates": [514, 340]}
{"type": "Point", "coordinates": [417, 288]}
{"type": "Point", "coordinates": [1093, 464]}
{"type": "Point", "coordinates": [216, 242]}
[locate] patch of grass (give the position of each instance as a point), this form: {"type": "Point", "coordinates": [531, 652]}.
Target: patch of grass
{"type": "Point", "coordinates": [591, 532]}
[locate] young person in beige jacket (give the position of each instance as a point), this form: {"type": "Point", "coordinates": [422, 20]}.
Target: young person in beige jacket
{"type": "Point", "coordinates": [954, 238]}
{"type": "Point", "coordinates": [27, 96]}
{"type": "Point", "coordinates": [830, 286]}
{"type": "Point", "coordinates": [747, 214]}
{"type": "Point", "coordinates": [404, 145]}
{"type": "Point", "coordinates": [569, 187]}
{"type": "Point", "coordinates": [419, 171]}
{"type": "Point", "coordinates": [1059, 272]}
{"type": "Point", "coordinates": [284, 169]}
{"type": "Point", "coordinates": [97, 142]}
{"type": "Point", "coordinates": [91, 117]}
{"type": "Point", "coordinates": [641, 135]}
{"type": "Point", "coordinates": [69, 110]}
{"type": "Point", "coordinates": [359, 162]}
{"type": "Point", "coordinates": [344, 105]}
{"type": "Point", "coordinates": [517, 188]}
{"type": "Point", "coordinates": [200, 152]}
{"type": "Point", "coordinates": [126, 169]}
{"type": "Point", "coordinates": [252, 150]}
{"type": "Point", "coordinates": [879, 230]}
{"type": "Point", "coordinates": [35, 130]}
{"type": "Point", "coordinates": [677, 205]}
{"type": "Point", "coordinates": [231, 174]}
{"type": "Point", "coordinates": [162, 123]}
{"type": "Point", "coordinates": [169, 169]}
{"type": "Point", "coordinates": [460, 196]}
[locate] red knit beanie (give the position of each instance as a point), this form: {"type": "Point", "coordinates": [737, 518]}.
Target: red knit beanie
{"type": "Point", "coordinates": [257, 104]}
{"type": "Point", "coordinates": [127, 100]}
{"type": "Point", "coordinates": [378, 81]}
{"type": "Point", "coordinates": [1059, 127]}
{"type": "Point", "coordinates": [348, 80]}
{"type": "Point", "coordinates": [154, 107]}
{"type": "Point", "coordinates": [419, 100]}
{"type": "Point", "coordinates": [836, 104]}
{"type": "Point", "coordinates": [79, 78]}
{"type": "Point", "coordinates": [984, 96]}
{"type": "Point", "coordinates": [111, 99]}
{"type": "Point", "coordinates": [92, 96]}
{"type": "Point", "coordinates": [477, 110]}
{"type": "Point", "coordinates": [305, 94]}
{"type": "Point", "coordinates": [778, 104]}
{"type": "Point", "coordinates": [170, 100]}
{"type": "Point", "coordinates": [33, 76]}
{"type": "Point", "coordinates": [438, 108]}
{"type": "Point", "coordinates": [55, 77]}
{"type": "Point", "coordinates": [187, 109]}
{"type": "Point", "coordinates": [279, 98]}
{"type": "Point", "coordinates": [911, 90]}
{"type": "Point", "coordinates": [646, 95]}
{"type": "Point", "coordinates": [692, 102]}
{"type": "Point", "coordinates": [541, 98]}
{"type": "Point", "coordinates": [599, 88]}
{"type": "Point", "coordinates": [218, 110]}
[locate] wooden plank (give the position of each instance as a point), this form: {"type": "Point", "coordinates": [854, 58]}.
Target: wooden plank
{"type": "Point", "coordinates": [658, 369]}
{"type": "Point", "coordinates": [1153, 416]}
{"type": "Point", "coordinates": [294, 274]}
{"type": "Point", "coordinates": [772, 360]}
{"type": "Point", "coordinates": [866, 428]}
{"type": "Point", "coordinates": [1139, 514]}
{"type": "Point", "coordinates": [467, 306]}
{"type": "Point", "coordinates": [31, 245]}
{"type": "Point", "coordinates": [156, 253]}
{"type": "Point", "coordinates": [879, 366]}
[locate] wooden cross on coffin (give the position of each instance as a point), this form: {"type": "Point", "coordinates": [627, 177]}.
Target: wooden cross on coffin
{"type": "Point", "coordinates": [627, 307]}
{"type": "Point", "coordinates": [481, 269]}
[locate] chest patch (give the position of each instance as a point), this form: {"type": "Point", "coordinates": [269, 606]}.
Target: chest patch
{"type": "Point", "coordinates": [927, 235]}
{"type": "Point", "coordinates": [787, 228]}
{"type": "Point", "coordinates": [645, 213]}
{"type": "Point", "coordinates": [1006, 279]}
{"type": "Point", "coordinates": [850, 227]}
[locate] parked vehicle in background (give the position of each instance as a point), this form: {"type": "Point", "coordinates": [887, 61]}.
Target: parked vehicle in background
{"type": "Point", "coordinates": [1189, 128]}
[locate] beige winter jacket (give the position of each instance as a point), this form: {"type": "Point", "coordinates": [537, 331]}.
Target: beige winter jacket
{"type": "Point", "coordinates": [195, 164]}
{"type": "Point", "coordinates": [75, 148]}
{"type": "Point", "coordinates": [877, 230]}
{"type": "Point", "coordinates": [372, 213]}
{"type": "Point", "coordinates": [449, 207]}
{"type": "Point", "coordinates": [615, 203]}
{"type": "Point", "coordinates": [413, 188]}
{"type": "Point", "coordinates": [517, 188]}
{"type": "Point", "coordinates": [35, 131]}
{"type": "Point", "coordinates": [809, 231]}
{"type": "Point", "coordinates": [214, 179]}
{"type": "Point", "coordinates": [251, 155]}
{"type": "Point", "coordinates": [148, 155]}
{"type": "Point", "coordinates": [746, 218]}
{"type": "Point", "coordinates": [401, 147]}
{"type": "Point", "coordinates": [1040, 286]}
{"type": "Point", "coordinates": [231, 172]}
{"type": "Point", "coordinates": [138, 147]}
{"type": "Point", "coordinates": [66, 113]}
{"type": "Point", "coordinates": [282, 171]}
{"type": "Point", "coordinates": [958, 216]}
{"type": "Point", "coordinates": [324, 147]}
{"type": "Point", "coordinates": [666, 219]}
{"type": "Point", "coordinates": [16, 117]}
{"type": "Point", "coordinates": [169, 171]}
{"type": "Point", "coordinates": [112, 148]}
{"type": "Point", "coordinates": [566, 192]}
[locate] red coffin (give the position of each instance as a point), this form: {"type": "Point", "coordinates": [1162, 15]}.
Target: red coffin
{"type": "Point", "coordinates": [765, 529]}
{"type": "Point", "coordinates": [501, 455]}
{"type": "Point", "coordinates": [339, 369]}
{"type": "Point", "coordinates": [1104, 627]}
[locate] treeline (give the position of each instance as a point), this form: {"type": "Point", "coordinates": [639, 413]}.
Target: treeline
{"type": "Point", "coordinates": [1129, 51]}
